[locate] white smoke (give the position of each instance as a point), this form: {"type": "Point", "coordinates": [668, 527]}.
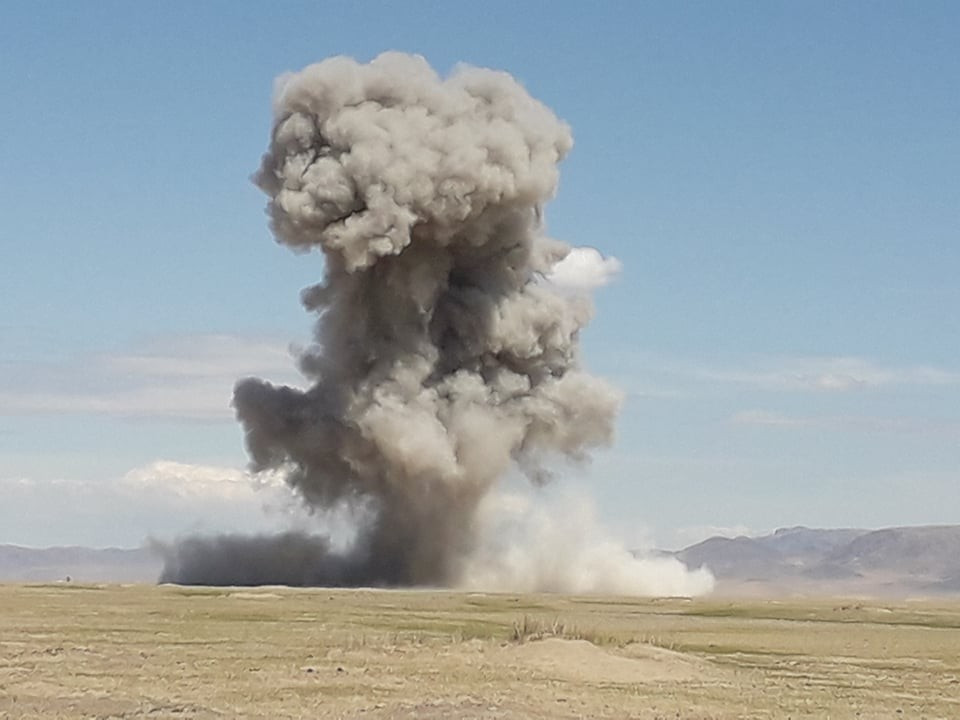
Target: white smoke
{"type": "Point", "coordinates": [533, 543]}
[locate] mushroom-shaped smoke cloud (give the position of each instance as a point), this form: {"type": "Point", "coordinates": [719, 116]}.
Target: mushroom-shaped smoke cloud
{"type": "Point", "coordinates": [445, 354]}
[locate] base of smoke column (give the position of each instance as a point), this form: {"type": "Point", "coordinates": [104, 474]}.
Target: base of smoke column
{"type": "Point", "coordinates": [532, 555]}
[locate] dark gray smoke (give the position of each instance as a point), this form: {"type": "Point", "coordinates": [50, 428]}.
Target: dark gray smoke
{"type": "Point", "coordinates": [291, 559]}
{"type": "Point", "coordinates": [443, 356]}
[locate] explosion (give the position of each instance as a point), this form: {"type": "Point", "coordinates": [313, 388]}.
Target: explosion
{"type": "Point", "coordinates": [445, 354]}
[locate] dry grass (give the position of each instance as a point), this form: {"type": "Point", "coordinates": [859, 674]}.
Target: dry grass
{"type": "Point", "coordinates": [529, 628]}
{"type": "Point", "coordinates": [69, 651]}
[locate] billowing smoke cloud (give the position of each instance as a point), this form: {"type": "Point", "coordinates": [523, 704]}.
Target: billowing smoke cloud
{"type": "Point", "coordinates": [445, 354]}
{"type": "Point", "coordinates": [531, 543]}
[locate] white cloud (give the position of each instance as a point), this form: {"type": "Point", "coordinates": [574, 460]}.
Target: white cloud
{"type": "Point", "coordinates": [200, 482]}
{"type": "Point", "coordinates": [162, 499]}
{"type": "Point", "coordinates": [584, 268]}
{"type": "Point", "coordinates": [188, 377]}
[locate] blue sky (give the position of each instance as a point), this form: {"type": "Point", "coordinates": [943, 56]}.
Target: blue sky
{"type": "Point", "coordinates": [780, 181]}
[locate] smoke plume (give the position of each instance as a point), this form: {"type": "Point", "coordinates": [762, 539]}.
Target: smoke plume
{"type": "Point", "coordinates": [445, 354]}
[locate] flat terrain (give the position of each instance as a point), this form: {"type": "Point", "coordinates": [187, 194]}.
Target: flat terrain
{"type": "Point", "coordinates": [72, 651]}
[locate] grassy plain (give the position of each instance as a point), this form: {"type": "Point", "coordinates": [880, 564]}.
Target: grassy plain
{"type": "Point", "coordinates": [70, 651]}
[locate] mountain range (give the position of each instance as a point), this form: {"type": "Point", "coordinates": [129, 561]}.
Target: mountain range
{"type": "Point", "coordinates": [900, 561]}
{"type": "Point", "coordinates": [897, 561]}
{"type": "Point", "coordinates": [80, 564]}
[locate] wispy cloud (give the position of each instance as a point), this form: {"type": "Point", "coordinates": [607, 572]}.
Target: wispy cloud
{"type": "Point", "coordinates": [175, 481]}
{"type": "Point", "coordinates": [827, 374]}
{"type": "Point", "coordinates": [188, 377]}
{"type": "Point", "coordinates": [664, 376]}
{"type": "Point", "coordinates": [203, 356]}
{"type": "Point", "coordinates": [860, 423]}
{"type": "Point", "coordinates": [767, 418]}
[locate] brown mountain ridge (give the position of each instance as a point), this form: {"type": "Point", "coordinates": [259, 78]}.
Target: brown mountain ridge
{"type": "Point", "coordinates": [902, 561]}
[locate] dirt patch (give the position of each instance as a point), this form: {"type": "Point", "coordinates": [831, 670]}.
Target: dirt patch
{"type": "Point", "coordinates": [582, 661]}
{"type": "Point", "coordinates": [254, 595]}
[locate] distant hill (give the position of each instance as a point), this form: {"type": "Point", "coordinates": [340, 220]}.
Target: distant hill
{"type": "Point", "coordinates": [805, 542]}
{"type": "Point", "coordinates": [741, 557]}
{"type": "Point", "coordinates": [80, 564]}
{"type": "Point", "coordinates": [893, 561]}
{"type": "Point", "coordinates": [933, 550]}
